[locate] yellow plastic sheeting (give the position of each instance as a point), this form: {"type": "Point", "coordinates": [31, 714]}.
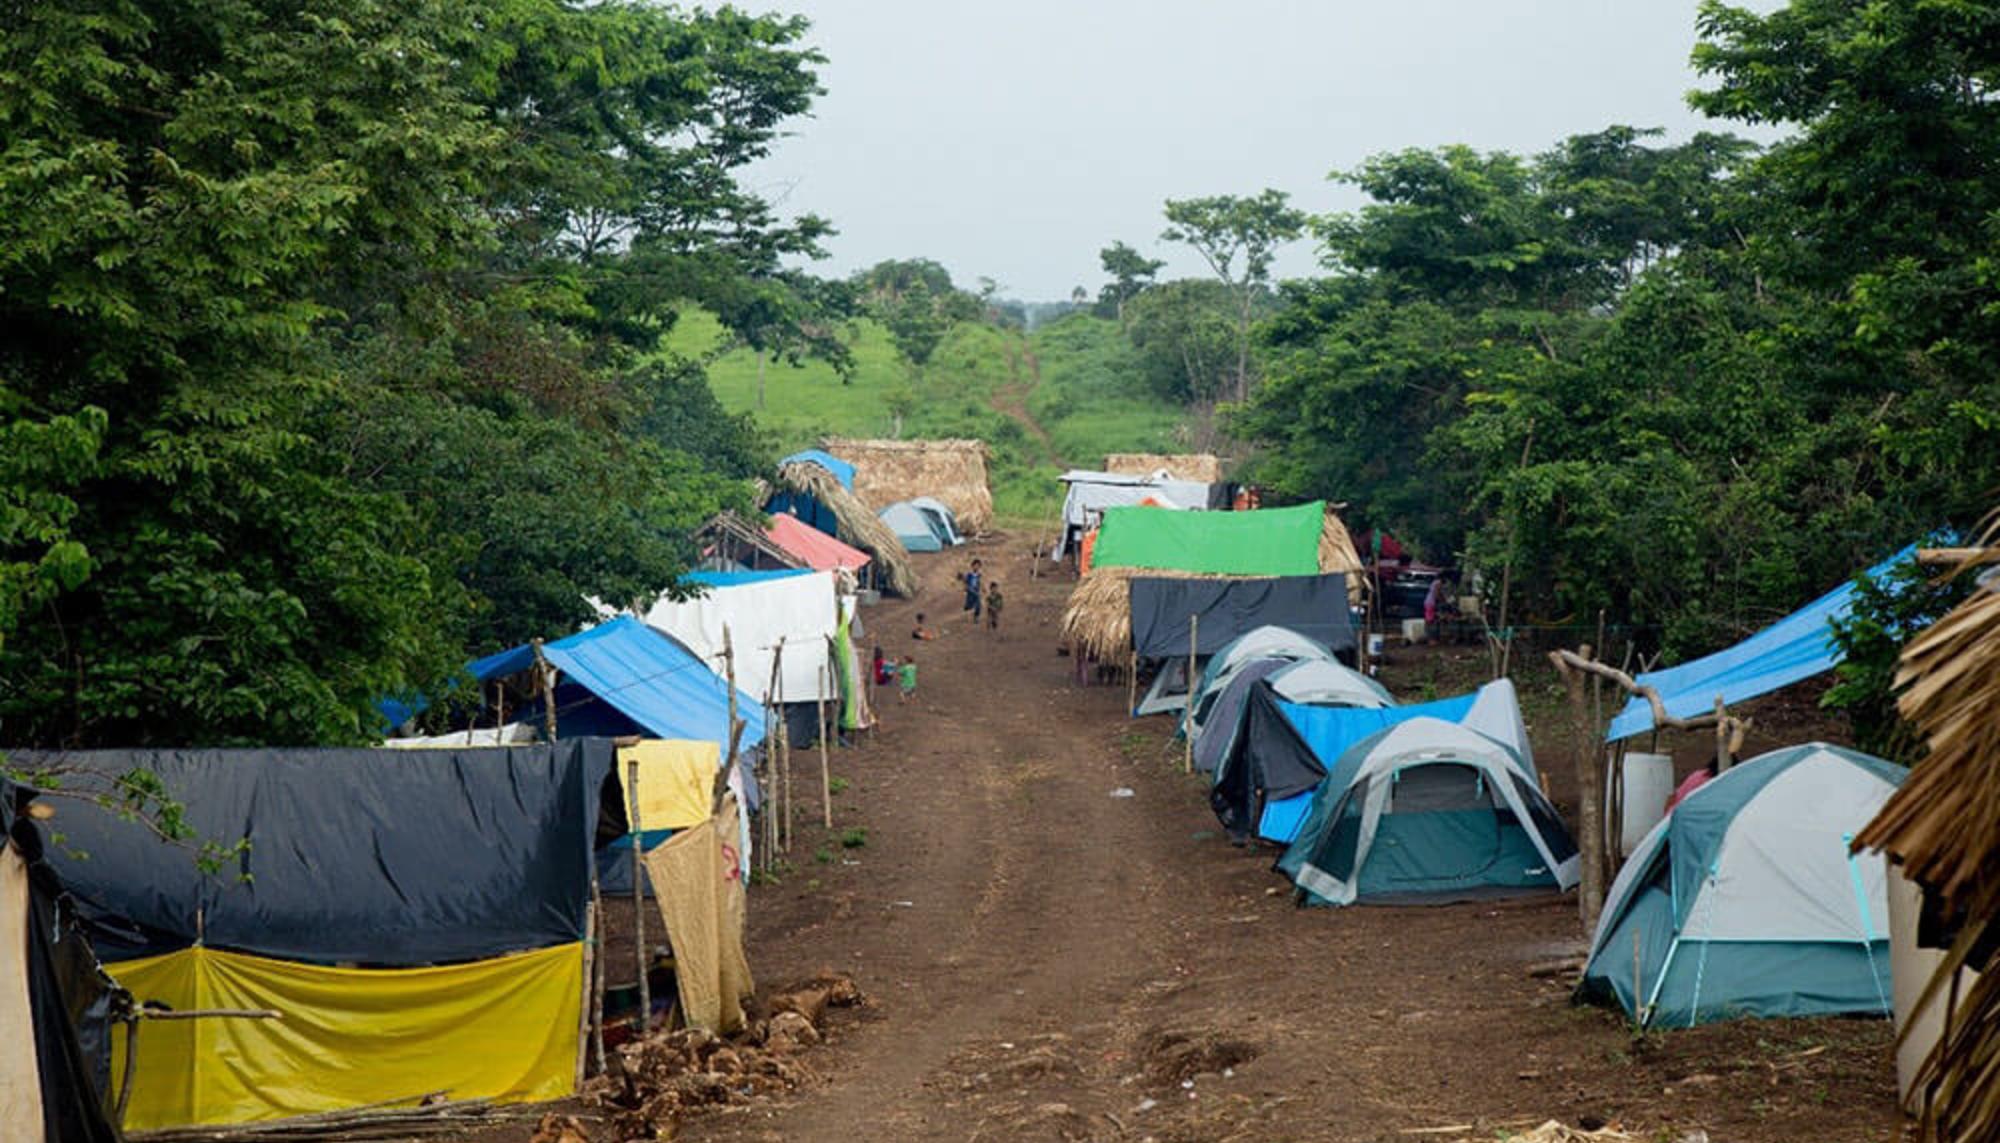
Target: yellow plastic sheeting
{"type": "Point", "coordinates": [698, 881]}
{"type": "Point", "coordinates": [504, 1029]}
{"type": "Point", "coordinates": [676, 781]}
{"type": "Point", "coordinates": [20, 1071]}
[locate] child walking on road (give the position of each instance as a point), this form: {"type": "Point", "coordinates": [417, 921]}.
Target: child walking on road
{"type": "Point", "coordinates": [993, 603]}
{"type": "Point", "coordinates": [972, 592]}
{"type": "Point", "coordinates": [907, 675]}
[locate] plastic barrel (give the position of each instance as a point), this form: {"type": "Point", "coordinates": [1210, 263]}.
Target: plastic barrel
{"type": "Point", "coordinates": [1910, 969]}
{"type": "Point", "coordinates": [1649, 782]}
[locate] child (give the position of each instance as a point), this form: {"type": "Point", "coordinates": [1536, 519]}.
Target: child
{"type": "Point", "coordinates": [993, 602]}
{"type": "Point", "coordinates": [920, 631]}
{"type": "Point", "coordinates": [884, 673]}
{"type": "Point", "coordinates": [972, 592]}
{"type": "Point", "coordinates": [907, 674]}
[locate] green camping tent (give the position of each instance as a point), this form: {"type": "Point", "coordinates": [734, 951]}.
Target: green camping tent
{"type": "Point", "coordinates": [1269, 541]}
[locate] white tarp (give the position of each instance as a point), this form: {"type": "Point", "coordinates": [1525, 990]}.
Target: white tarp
{"type": "Point", "coordinates": [1090, 493]}
{"type": "Point", "coordinates": [801, 610]}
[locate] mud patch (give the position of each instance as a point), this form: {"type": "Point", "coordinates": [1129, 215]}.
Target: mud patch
{"type": "Point", "coordinates": [1172, 1055]}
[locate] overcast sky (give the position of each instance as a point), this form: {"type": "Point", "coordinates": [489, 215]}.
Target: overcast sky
{"type": "Point", "coordinates": [1015, 140]}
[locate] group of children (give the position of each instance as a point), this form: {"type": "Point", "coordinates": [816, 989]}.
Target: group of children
{"type": "Point", "coordinates": [903, 671]}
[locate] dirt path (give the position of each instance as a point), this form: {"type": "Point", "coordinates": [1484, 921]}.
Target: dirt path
{"type": "Point", "coordinates": [1051, 961]}
{"type": "Point", "coordinates": [1012, 399]}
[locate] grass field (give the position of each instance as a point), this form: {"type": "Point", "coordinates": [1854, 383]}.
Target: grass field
{"type": "Point", "coordinates": [1074, 380]}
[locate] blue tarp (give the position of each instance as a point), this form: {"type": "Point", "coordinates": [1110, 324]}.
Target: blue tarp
{"type": "Point", "coordinates": [842, 471]}
{"type": "Point", "coordinates": [739, 578]}
{"type": "Point", "coordinates": [1329, 731]}
{"type": "Point", "coordinates": [643, 676]}
{"type": "Point", "coordinates": [1796, 647]}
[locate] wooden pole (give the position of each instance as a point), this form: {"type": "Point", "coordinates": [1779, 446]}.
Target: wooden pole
{"type": "Point", "coordinates": [1194, 633]}
{"type": "Point", "coordinates": [1131, 683]}
{"type": "Point", "coordinates": [1590, 790]}
{"type": "Point", "coordinates": [825, 768]}
{"type": "Point", "coordinates": [1721, 736]}
{"type": "Point", "coordinates": [546, 676]}
{"type": "Point", "coordinates": [589, 976]}
{"type": "Point", "coordinates": [131, 1065]}
{"type": "Point", "coordinates": [597, 969]}
{"type": "Point", "coordinates": [638, 894]}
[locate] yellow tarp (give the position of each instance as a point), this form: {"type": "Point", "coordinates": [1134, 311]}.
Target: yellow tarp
{"type": "Point", "coordinates": [20, 1071]}
{"type": "Point", "coordinates": [504, 1029]}
{"type": "Point", "coordinates": [698, 881]}
{"type": "Point", "coordinates": [676, 781]}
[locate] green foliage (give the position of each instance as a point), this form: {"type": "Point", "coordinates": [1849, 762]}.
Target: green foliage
{"type": "Point", "coordinates": [853, 837]}
{"type": "Point", "coordinates": [324, 332]}
{"type": "Point", "coordinates": [1887, 614]}
{"type": "Point", "coordinates": [1223, 228]}
{"type": "Point", "coordinates": [1130, 272]}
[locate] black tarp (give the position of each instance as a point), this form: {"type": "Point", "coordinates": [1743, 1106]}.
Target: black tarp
{"type": "Point", "coordinates": [1312, 605]}
{"type": "Point", "coordinates": [1219, 729]}
{"type": "Point", "coordinates": [70, 1002]}
{"type": "Point", "coordinates": [1267, 762]}
{"type": "Point", "coordinates": [380, 857]}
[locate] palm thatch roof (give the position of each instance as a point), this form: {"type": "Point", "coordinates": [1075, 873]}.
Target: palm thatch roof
{"type": "Point", "coordinates": [1201, 467]}
{"type": "Point", "coordinates": [952, 471]}
{"type": "Point", "coordinates": [1943, 826]}
{"type": "Point", "coordinates": [859, 525]}
{"type": "Point", "coordinates": [743, 541]}
{"type": "Point", "coordinates": [1097, 620]}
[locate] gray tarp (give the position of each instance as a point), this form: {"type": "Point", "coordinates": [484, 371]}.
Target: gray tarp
{"type": "Point", "coordinates": [1312, 605]}
{"type": "Point", "coordinates": [393, 857]}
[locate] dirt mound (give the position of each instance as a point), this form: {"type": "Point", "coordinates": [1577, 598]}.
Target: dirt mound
{"type": "Point", "coordinates": [1171, 1055]}
{"type": "Point", "coordinates": [655, 1083]}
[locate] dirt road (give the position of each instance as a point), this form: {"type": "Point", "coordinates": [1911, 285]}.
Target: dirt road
{"type": "Point", "coordinates": [1051, 957]}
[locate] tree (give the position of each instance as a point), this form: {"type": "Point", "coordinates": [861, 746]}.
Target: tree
{"type": "Point", "coordinates": [1185, 334]}
{"type": "Point", "coordinates": [1130, 273]}
{"type": "Point", "coordinates": [1225, 227]}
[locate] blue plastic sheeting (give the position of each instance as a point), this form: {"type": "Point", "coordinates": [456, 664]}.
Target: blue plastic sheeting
{"type": "Point", "coordinates": [1283, 817]}
{"type": "Point", "coordinates": [654, 681]}
{"type": "Point", "coordinates": [739, 578]}
{"type": "Point", "coordinates": [1796, 647]}
{"type": "Point", "coordinates": [1329, 731]}
{"type": "Point", "coordinates": [842, 471]}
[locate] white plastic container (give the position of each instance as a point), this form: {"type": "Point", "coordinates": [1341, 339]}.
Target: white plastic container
{"type": "Point", "coordinates": [1413, 630]}
{"type": "Point", "coordinates": [1649, 782]}
{"type": "Point", "coordinates": [1375, 645]}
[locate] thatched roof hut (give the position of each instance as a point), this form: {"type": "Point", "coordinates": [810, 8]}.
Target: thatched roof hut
{"type": "Point", "coordinates": [1201, 467]}
{"type": "Point", "coordinates": [729, 537]}
{"type": "Point", "coordinates": [1097, 620]}
{"type": "Point", "coordinates": [858, 523]}
{"type": "Point", "coordinates": [953, 471]}
{"type": "Point", "coordinates": [1943, 826]}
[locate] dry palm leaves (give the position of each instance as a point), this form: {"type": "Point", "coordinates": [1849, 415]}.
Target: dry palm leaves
{"type": "Point", "coordinates": [858, 525]}
{"type": "Point", "coordinates": [1202, 467]}
{"type": "Point", "coordinates": [1943, 827]}
{"type": "Point", "coordinates": [1097, 621]}
{"type": "Point", "coordinates": [951, 471]}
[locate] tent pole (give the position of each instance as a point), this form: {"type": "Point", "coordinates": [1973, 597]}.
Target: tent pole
{"type": "Point", "coordinates": [597, 971]}
{"type": "Point", "coordinates": [825, 770]}
{"type": "Point", "coordinates": [1187, 722]}
{"type": "Point", "coordinates": [545, 674]}
{"type": "Point", "coordinates": [589, 974]}
{"type": "Point", "coordinates": [638, 895]}
{"type": "Point", "coordinates": [771, 758]}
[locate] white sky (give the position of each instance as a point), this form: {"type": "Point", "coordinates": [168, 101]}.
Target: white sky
{"type": "Point", "coordinates": [1015, 140]}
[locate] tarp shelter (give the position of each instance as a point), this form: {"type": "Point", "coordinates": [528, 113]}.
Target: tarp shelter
{"type": "Point", "coordinates": [814, 548]}
{"type": "Point", "coordinates": [459, 878]}
{"type": "Point", "coordinates": [623, 678]}
{"type": "Point", "coordinates": [1225, 609]}
{"type": "Point", "coordinates": [1428, 811]}
{"type": "Point", "coordinates": [55, 1084]}
{"type": "Point", "coordinates": [802, 612]}
{"type": "Point", "coordinates": [1796, 647]}
{"type": "Point", "coordinates": [1745, 901]}
{"type": "Point", "coordinates": [1267, 542]}
{"type": "Point", "coordinates": [1088, 494]}
{"type": "Point", "coordinates": [676, 791]}
{"type": "Point", "coordinates": [920, 529]}
{"type": "Point", "coordinates": [1285, 749]}
{"type": "Point", "coordinates": [805, 507]}
{"type": "Point", "coordinates": [732, 541]}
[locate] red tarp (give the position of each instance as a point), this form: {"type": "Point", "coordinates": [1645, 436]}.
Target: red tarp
{"type": "Point", "coordinates": [820, 551]}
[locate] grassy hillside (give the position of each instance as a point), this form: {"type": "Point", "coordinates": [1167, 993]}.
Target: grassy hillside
{"type": "Point", "coordinates": [1073, 380]}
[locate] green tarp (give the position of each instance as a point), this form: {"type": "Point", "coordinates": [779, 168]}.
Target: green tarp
{"type": "Point", "coordinates": [1269, 541]}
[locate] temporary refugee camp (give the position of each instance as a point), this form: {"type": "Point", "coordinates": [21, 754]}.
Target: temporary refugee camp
{"type": "Point", "coordinates": [951, 472]}
{"type": "Point", "coordinates": [817, 488]}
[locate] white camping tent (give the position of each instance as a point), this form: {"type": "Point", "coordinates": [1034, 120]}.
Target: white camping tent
{"type": "Point", "coordinates": [1329, 682]}
{"type": "Point", "coordinates": [802, 611]}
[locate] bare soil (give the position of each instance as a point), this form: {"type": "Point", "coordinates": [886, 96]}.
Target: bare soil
{"type": "Point", "coordinates": [1047, 959]}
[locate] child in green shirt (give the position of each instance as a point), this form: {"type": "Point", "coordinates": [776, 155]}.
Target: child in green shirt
{"type": "Point", "coordinates": [907, 676]}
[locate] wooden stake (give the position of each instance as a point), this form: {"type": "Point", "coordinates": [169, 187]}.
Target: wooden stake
{"type": "Point", "coordinates": [825, 768]}
{"type": "Point", "coordinates": [1131, 684]}
{"type": "Point", "coordinates": [1721, 736]}
{"type": "Point", "coordinates": [546, 676]}
{"type": "Point", "coordinates": [638, 894]}
{"type": "Point", "coordinates": [1194, 632]}
{"type": "Point", "coordinates": [597, 969]}
{"type": "Point", "coordinates": [589, 975]}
